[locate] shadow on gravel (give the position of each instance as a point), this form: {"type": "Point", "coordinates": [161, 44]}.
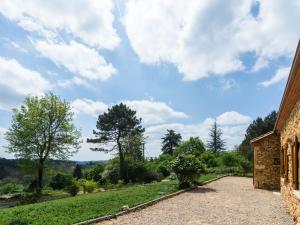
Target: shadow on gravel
{"type": "Point", "coordinates": [203, 190]}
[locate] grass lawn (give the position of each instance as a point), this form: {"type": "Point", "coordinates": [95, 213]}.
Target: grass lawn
{"type": "Point", "coordinates": [79, 208]}
{"type": "Point", "coordinates": [75, 209]}
{"type": "Point", "coordinates": [208, 176]}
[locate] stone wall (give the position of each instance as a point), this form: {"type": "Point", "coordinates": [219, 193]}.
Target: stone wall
{"type": "Point", "coordinates": [266, 163]}
{"type": "Point", "coordinates": [291, 129]}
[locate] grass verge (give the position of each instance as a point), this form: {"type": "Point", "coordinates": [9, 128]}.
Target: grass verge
{"type": "Point", "coordinates": [206, 177]}
{"type": "Point", "coordinates": [75, 209]}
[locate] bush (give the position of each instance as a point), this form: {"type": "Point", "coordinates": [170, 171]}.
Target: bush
{"type": "Point", "coordinates": [151, 175]}
{"type": "Point", "coordinates": [19, 222]}
{"type": "Point", "coordinates": [120, 184]}
{"type": "Point", "coordinates": [164, 170]}
{"type": "Point", "coordinates": [90, 186]}
{"type": "Point", "coordinates": [60, 181]}
{"type": "Point", "coordinates": [187, 169]}
{"type": "Point", "coordinates": [209, 159]}
{"type": "Point", "coordinates": [73, 188]}
{"type": "Point", "coordinates": [11, 188]}
{"type": "Point", "coordinates": [95, 173]}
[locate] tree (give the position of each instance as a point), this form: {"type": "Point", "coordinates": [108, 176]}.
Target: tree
{"type": "Point", "coordinates": [134, 146]}
{"type": "Point", "coordinates": [113, 127]}
{"type": "Point", "coordinates": [258, 127]}
{"type": "Point", "coordinates": [77, 173]}
{"type": "Point", "coordinates": [170, 141]}
{"type": "Point", "coordinates": [193, 146]}
{"type": "Point", "coordinates": [42, 129]}
{"type": "Point", "coordinates": [216, 143]}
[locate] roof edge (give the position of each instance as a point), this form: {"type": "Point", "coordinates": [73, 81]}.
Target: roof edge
{"type": "Point", "coordinates": [259, 138]}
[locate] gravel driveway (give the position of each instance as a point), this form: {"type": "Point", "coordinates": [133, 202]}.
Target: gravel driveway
{"type": "Point", "coordinates": [230, 201]}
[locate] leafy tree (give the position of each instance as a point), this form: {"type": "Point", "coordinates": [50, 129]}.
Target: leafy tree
{"type": "Point", "coordinates": [133, 146]}
{"type": "Point", "coordinates": [113, 127]}
{"type": "Point", "coordinates": [215, 143]}
{"type": "Point", "coordinates": [42, 129]}
{"type": "Point", "coordinates": [187, 168]}
{"type": "Point", "coordinates": [193, 145]}
{"type": "Point", "coordinates": [95, 173]}
{"type": "Point", "coordinates": [209, 159]}
{"type": "Point", "coordinates": [258, 127]}
{"type": "Point", "coordinates": [77, 173]}
{"type": "Point", "coordinates": [170, 141]}
{"type": "Point", "coordinates": [60, 181]}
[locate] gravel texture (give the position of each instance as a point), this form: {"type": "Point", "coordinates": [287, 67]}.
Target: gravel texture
{"type": "Point", "coordinates": [230, 201]}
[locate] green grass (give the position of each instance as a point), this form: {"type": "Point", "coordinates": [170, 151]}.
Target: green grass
{"type": "Point", "coordinates": [206, 177]}
{"type": "Point", "coordinates": [75, 209]}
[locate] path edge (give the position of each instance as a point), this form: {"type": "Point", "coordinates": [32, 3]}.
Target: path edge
{"type": "Point", "coordinates": [144, 205]}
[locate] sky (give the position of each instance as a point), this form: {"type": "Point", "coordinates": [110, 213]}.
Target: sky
{"type": "Point", "coordinates": [179, 64]}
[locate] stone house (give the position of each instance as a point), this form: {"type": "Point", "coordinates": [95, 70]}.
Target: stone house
{"type": "Point", "coordinates": [276, 154]}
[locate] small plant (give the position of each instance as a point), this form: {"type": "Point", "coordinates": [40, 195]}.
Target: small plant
{"type": "Point", "coordinates": [187, 169]}
{"type": "Point", "coordinates": [73, 188]}
{"type": "Point", "coordinates": [120, 184]}
{"type": "Point", "coordinates": [90, 186]}
{"type": "Point", "coordinates": [19, 222]}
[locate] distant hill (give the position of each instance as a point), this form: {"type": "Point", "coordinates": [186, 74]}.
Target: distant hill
{"type": "Point", "coordinates": [10, 168]}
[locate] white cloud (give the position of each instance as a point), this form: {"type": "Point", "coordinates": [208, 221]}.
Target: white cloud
{"type": "Point", "coordinates": [233, 118]}
{"type": "Point", "coordinates": [20, 79]}
{"type": "Point", "coordinates": [2, 130]}
{"type": "Point", "coordinates": [280, 75]}
{"type": "Point", "coordinates": [88, 107]}
{"type": "Point", "coordinates": [78, 58]}
{"type": "Point", "coordinates": [204, 38]}
{"type": "Point", "coordinates": [233, 131]}
{"type": "Point", "coordinates": [151, 112]}
{"type": "Point", "coordinates": [89, 20]}
{"type": "Point", "coordinates": [154, 112]}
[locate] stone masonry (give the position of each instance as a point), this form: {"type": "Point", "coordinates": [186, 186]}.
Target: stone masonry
{"type": "Point", "coordinates": [267, 163]}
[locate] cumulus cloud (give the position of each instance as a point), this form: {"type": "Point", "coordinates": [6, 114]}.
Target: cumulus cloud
{"type": "Point", "coordinates": [17, 81]}
{"type": "Point", "coordinates": [151, 112]}
{"type": "Point", "coordinates": [88, 107]}
{"type": "Point", "coordinates": [280, 75]}
{"type": "Point", "coordinates": [191, 36]}
{"type": "Point", "coordinates": [77, 58]}
{"type": "Point", "coordinates": [89, 20]}
{"type": "Point", "coordinates": [2, 130]}
{"type": "Point", "coordinates": [233, 118]}
{"type": "Point", "coordinates": [233, 131]}
{"type": "Point", "coordinates": [154, 112]}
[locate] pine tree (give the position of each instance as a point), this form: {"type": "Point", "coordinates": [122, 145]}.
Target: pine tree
{"type": "Point", "coordinates": [215, 143]}
{"type": "Point", "coordinates": [170, 141]}
{"type": "Point", "coordinates": [77, 173]}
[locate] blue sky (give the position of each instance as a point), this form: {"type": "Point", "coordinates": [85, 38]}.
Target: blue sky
{"type": "Point", "coordinates": [180, 64]}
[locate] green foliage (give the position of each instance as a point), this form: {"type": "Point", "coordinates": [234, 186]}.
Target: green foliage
{"type": "Point", "coordinates": [60, 181]}
{"type": "Point", "coordinates": [77, 173]}
{"type": "Point", "coordinates": [187, 169]}
{"type": "Point", "coordinates": [83, 207]}
{"type": "Point", "coordinates": [256, 128]}
{"type": "Point", "coordinates": [73, 188]}
{"type": "Point", "coordinates": [209, 159]}
{"type": "Point", "coordinates": [133, 146]}
{"type": "Point", "coordinates": [113, 127]}
{"type": "Point", "coordinates": [19, 222]}
{"type": "Point", "coordinates": [90, 186]}
{"type": "Point", "coordinates": [95, 173]}
{"type": "Point", "coordinates": [193, 146]}
{"type": "Point", "coordinates": [120, 184]}
{"type": "Point", "coordinates": [215, 143]}
{"type": "Point", "coordinates": [41, 129]}
{"type": "Point", "coordinates": [170, 141]}
{"type": "Point", "coordinates": [11, 188]}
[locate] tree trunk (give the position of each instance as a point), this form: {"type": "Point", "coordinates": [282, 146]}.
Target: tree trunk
{"type": "Point", "coordinates": [40, 176]}
{"type": "Point", "coordinates": [122, 163]}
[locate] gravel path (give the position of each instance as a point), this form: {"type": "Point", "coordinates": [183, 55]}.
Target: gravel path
{"type": "Point", "coordinates": [228, 201]}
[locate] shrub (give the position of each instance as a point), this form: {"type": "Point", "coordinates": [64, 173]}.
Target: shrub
{"type": "Point", "coordinates": [152, 175]}
{"type": "Point", "coordinates": [120, 184]}
{"type": "Point", "coordinates": [19, 222]}
{"type": "Point", "coordinates": [60, 181]}
{"type": "Point", "coordinates": [73, 188]}
{"type": "Point", "coordinates": [90, 186]}
{"type": "Point", "coordinates": [135, 171]}
{"type": "Point", "coordinates": [11, 188]}
{"type": "Point", "coordinates": [187, 169]}
{"type": "Point", "coordinates": [209, 159]}
{"type": "Point", "coordinates": [163, 170]}
{"type": "Point", "coordinates": [95, 173]}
